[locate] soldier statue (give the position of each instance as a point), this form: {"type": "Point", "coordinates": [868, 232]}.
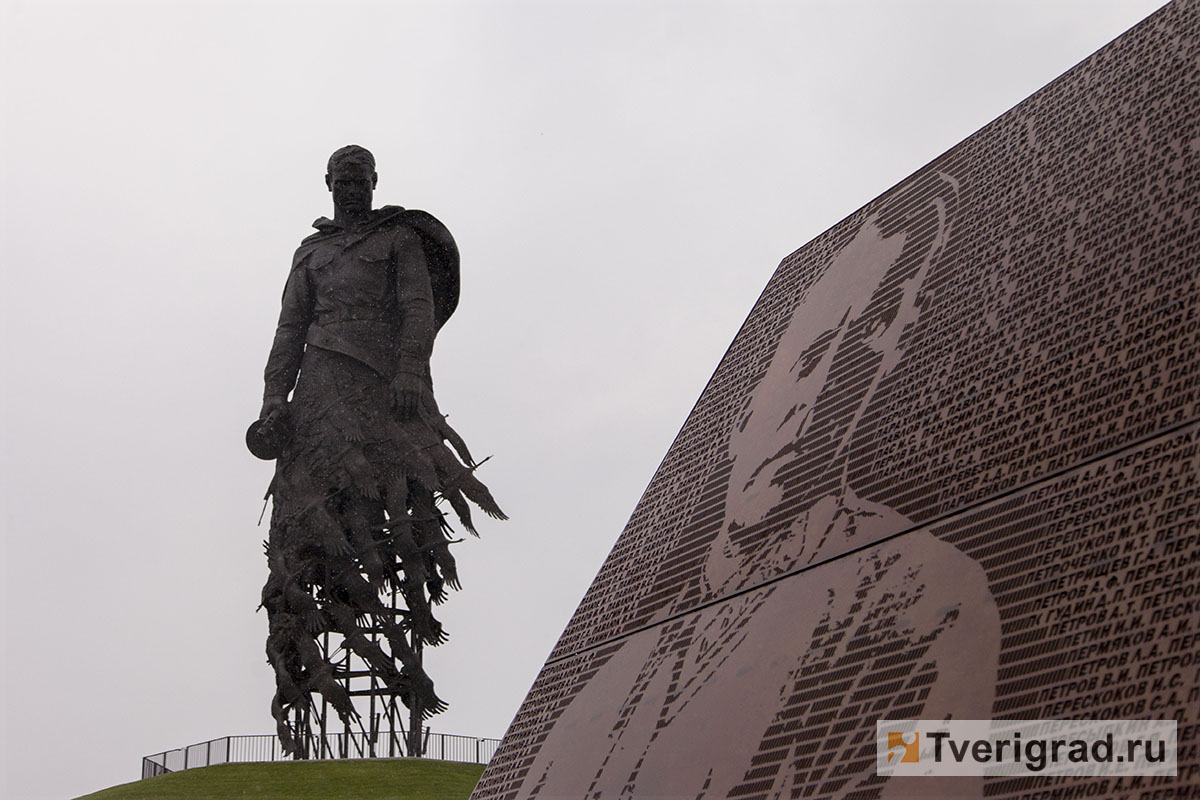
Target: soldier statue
{"type": "Point", "coordinates": [361, 452]}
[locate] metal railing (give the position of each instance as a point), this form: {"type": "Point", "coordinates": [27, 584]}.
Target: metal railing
{"type": "Point", "coordinates": [265, 747]}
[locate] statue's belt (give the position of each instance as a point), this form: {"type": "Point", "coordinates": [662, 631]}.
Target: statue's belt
{"type": "Point", "coordinates": [354, 313]}
{"type": "Point", "coordinates": [380, 359]}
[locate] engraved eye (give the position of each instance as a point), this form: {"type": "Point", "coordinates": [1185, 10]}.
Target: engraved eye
{"type": "Point", "coordinates": [808, 360]}
{"type": "Point", "coordinates": [882, 322]}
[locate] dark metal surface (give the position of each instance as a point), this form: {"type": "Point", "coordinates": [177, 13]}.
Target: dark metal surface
{"type": "Point", "coordinates": [948, 467]}
{"type": "Point", "coordinates": [359, 549]}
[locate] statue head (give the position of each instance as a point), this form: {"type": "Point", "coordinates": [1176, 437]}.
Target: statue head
{"type": "Point", "coordinates": [351, 177]}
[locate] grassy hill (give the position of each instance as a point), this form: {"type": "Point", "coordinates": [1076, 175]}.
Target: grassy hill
{"type": "Point", "coordinates": [374, 779]}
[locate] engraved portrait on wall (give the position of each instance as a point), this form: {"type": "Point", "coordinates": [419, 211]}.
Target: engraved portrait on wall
{"type": "Point", "coordinates": [818, 617]}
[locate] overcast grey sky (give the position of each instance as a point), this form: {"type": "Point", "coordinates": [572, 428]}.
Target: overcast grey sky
{"type": "Point", "coordinates": [622, 179]}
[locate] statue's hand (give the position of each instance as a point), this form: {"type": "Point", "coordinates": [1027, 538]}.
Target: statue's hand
{"type": "Point", "coordinates": [408, 391]}
{"type": "Point", "coordinates": [273, 408]}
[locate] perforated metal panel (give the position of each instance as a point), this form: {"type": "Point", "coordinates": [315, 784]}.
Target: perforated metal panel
{"type": "Point", "coordinates": [948, 467]}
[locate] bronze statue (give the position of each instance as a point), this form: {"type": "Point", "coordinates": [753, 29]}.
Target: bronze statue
{"type": "Point", "coordinates": [362, 461]}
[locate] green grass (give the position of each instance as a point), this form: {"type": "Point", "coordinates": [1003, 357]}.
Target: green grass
{"type": "Point", "coordinates": [373, 779]}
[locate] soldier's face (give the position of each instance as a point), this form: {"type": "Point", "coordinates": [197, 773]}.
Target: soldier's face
{"type": "Point", "coordinates": [835, 323]}
{"type": "Point", "coordinates": [353, 186]}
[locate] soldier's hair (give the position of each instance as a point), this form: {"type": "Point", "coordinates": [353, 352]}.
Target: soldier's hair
{"type": "Point", "coordinates": [351, 154]}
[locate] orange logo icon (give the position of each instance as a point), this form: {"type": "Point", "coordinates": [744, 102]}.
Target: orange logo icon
{"type": "Point", "coordinates": [903, 747]}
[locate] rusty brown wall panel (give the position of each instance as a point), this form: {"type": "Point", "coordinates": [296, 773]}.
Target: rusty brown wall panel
{"type": "Point", "coordinates": [914, 386]}
{"type": "Point", "coordinates": [1073, 598]}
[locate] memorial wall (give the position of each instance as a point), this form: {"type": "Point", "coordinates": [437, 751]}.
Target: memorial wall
{"type": "Point", "coordinates": [948, 468]}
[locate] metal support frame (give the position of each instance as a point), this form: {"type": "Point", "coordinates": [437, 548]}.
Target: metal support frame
{"type": "Point", "coordinates": [321, 734]}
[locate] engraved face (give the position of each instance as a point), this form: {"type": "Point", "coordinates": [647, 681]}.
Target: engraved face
{"type": "Point", "coordinates": [790, 444]}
